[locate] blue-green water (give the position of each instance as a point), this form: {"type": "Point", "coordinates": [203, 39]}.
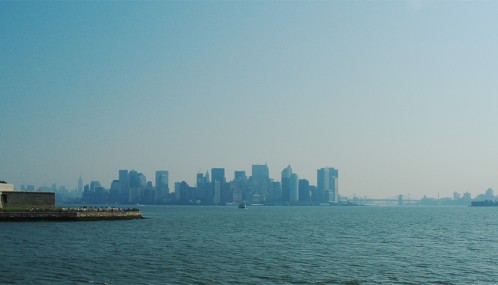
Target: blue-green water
{"type": "Point", "coordinates": [259, 245]}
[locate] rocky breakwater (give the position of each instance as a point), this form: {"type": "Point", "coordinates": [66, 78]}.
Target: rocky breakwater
{"type": "Point", "coordinates": [69, 214]}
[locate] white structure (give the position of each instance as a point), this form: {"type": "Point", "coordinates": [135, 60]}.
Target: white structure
{"type": "Point", "coordinates": [4, 187]}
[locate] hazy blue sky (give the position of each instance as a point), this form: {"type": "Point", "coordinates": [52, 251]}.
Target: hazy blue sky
{"type": "Point", "coordinates": [401, 97]}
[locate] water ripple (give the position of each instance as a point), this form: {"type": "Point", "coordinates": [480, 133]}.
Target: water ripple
{"type": "Point", "coordinates": [260, 245]}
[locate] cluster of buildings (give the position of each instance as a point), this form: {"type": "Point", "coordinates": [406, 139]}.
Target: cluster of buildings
{"type": "Point", "coordinates": [213, 188]}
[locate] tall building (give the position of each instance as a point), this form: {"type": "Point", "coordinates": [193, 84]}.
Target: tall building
{"type": "Point", "coordinates": [239, 187]}
{"type": "Point", "coordinates": [124, 183]}
{"type": "Point", "coordinates": [304, 190]}
{"type": "Point", "coordinates": [114, 192]}
{"type": "Point", "coordinates": [80, 185]}
{"type": "Point", "coordinates": [187, 193]}
{"type": "Point", "coordinates": [276, 191]}
{"type": "Point", "coordinates": [239, 176]}
{"type": "Point", "coordinates": [314, 194]}
{"type": "Point", "coordinates": [162, 179]}
{"type": "Point", "coordinates": [138, 184]}
{"type": "Point", "coordinates": [260, 180]}
{"type": "Point", "coordinates": [142, 181]}
{"type": "Point", "coordinates": [162, 185]}
{"type": "Point", "coordinates": [94, 185]}
{"type": "Point", "coordinates": [218, 184]}
{"type": "Point", "coordinates": [218, 174]}
{"type": "Point", "coordinates": [260, 171]}
{"type": "Point", "coordinates": [294, 188]}
{"type": "Point", "coordinates": [217, 191]}
{"type": "Point", "coordinates": [286, 176]}
{"type": "Point", "coordinates": [327, 185]}
{"type": "Point", "coordinates": [177, 190]}
{"type": "Point", "coordinates": [204, 188]}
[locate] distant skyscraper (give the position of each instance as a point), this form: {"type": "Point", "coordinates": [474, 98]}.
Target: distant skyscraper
{"type": "Point", "coordinates": [304, 190]}
{"type": "Point", "coordinates": [124, 183]}
{"type": "Point", "coordinates": [138, 184]}
{"type": "Point", "coordinates": [287, 172]}
{"type": "Point", "coordinates": [142, 180]}
{"type": "Point", "coordinates": [221, 189]}
{"type": "Point", "coordinates": [238, 187]}
{"type": "Point", "coordinates": [162, 185]}
{"type": "Point", "coordinates": [80, 185]}
{"type": "Point", "coordinates": [260, 171]}
{"type": "Point", "coordinates": [177, 190]}
{"type": "Point", "coordinates": [94, 185]}
{"type": "Point", "coordinates": [314, 194]}
{"type": "Point", "coordinates": [115, 191]}
{"type": "Point", "coordinates": [327, 184]}
{"type": "Point", "coordinates": [204, 188]}
{"type": "Point", "coordinates": [294, 188]}
{"type": "Point", "coordinates": [162, 179]}
{"type": "Point", "coordinates": [217, 191]}
{"type": "Point", "coordinates": [217, 183]}
{"type": "Point", "coordinates": [260, 180]}
{"type": "Point", "coordinates": [276, 190]}
{"type": "Point", "coordinates": [239, 176]}
{"type": "Point", "coordinates": [286, 177]}
{"type": "Point", "coordinates": [218, 174]}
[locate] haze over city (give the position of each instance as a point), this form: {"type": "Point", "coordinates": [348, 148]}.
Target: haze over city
{"type": "Point", "coordinates": [397, 95]}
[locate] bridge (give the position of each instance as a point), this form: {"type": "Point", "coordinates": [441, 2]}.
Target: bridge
{"type": "Point", "coordinates": [392, 201]}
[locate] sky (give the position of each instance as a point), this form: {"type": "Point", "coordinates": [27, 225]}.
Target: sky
{"type": "Point", "coordinates": [399, 96]}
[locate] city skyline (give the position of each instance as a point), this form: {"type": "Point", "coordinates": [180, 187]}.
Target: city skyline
{"type": "Point", "coordinates": [398, 95]}
{"type": "Point", "coordinates": [211, 188]}
{"type": "Point", "coordinates": [132, 187]}
{"type": "Point", "coordinates": [259, 171]}
{"type": "Point", "coordinates": [158, 175]}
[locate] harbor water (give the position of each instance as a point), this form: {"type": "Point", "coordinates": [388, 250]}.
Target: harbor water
{"type": "Point", "coordinates": [259, 245]}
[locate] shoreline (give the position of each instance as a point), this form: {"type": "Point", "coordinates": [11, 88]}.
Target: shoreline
{"type": "Point", "coordinates": [70, 215]}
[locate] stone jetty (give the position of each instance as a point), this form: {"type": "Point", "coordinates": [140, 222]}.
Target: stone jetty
{"type": "Point", "coordinates": [69, 214]}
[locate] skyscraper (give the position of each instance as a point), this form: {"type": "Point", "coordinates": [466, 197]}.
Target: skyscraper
{"type": "Point", "coordinates": [162, 179]}
{"type": "Point", "coordinates": [204, 188]}
{"type": "Point", "coordinates": [260, 171]}
{"type": "Point", "coordinates": [238, 186]}
{"type": "Point", "coordinates": [260, 180]}
{"type": "Point", "coordinates": [286, 176]}
{"type": "Point", "coordinates": [294, 188]}
{"type": "Point", "coordinates": [239, 176]}
{"type": "Point", "coordinates": [218, 184]}
{"type": "Point", "coordinates": [162, 185]}
{"type": "Point", "coordinates": [327, 185]}
{"type": "Point", "coordinates": [218, 174]}
{"type": "Point", "coordinates": [80, 185]}
{"type": "Point", "coordinates": [124, 183]}
{"type": "Point", "coordinates": [304, 190]}
{"type": "Point", "coordinates": [138, 182]}
{"type": "Point", "coordinates": [114, 192]}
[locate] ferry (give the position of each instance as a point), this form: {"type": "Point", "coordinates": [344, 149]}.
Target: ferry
{"type": "Point", "coordinates": [242, 206]}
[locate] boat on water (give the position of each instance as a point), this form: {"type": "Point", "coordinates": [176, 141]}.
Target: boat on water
{"type": "Point", "coordinates": [242, 206]}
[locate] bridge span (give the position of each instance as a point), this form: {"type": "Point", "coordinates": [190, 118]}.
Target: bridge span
{"type": "Point", "coordinates": [397, 200]}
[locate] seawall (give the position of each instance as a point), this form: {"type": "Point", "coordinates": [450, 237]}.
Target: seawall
{"type": "Point", "coordinates": [70, 215]}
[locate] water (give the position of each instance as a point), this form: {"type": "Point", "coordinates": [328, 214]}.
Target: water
{"type": "Point", "coordinates": [259, 245]}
